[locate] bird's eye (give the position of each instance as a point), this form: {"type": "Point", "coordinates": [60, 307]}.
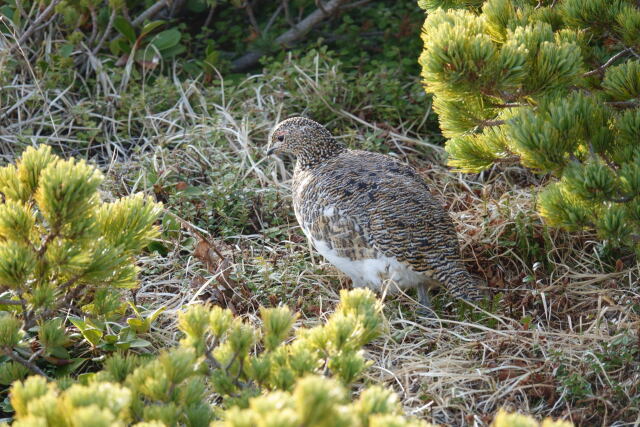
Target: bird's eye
{"type": "Point", "coordinates": [280, 138]}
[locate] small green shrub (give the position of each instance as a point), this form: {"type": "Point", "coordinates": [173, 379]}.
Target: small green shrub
{"type": "Point", "coordinates": [505, 419]}
{"type": "Point", "coordinates": [552, 85]}
{"type": "Point", "coordinates": [65, 256]}
{"type": "Point", "coordinates": [262, 376]}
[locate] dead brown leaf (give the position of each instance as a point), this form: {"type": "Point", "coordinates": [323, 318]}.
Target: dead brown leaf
{"type": "Point", "coordinates": [218, 264]}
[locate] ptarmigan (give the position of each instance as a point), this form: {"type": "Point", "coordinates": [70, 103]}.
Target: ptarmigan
{"type": "Point", "coordinates": [370, 215]}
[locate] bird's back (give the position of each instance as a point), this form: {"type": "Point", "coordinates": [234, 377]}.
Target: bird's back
{"type": "Point", "coordinates": [362, 206]}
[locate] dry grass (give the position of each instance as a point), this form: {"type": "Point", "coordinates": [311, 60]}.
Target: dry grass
{"type": "Point", "coordinates": [560, 339]}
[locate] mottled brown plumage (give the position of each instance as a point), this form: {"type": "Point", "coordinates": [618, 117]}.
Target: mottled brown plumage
{"type": "Point", "coordinates": [370, 215]}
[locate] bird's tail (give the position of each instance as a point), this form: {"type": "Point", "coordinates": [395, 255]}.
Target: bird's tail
{"type": "Point", "coordinates": [460, 283]}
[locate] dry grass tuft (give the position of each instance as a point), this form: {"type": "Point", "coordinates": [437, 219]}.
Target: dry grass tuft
{"type": "Point", "coordinates": [560, 337]}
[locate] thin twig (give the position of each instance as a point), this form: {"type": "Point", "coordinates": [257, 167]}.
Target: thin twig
{"type": "Point", "coordinates": [94, 25]}
{"type": "Point", "coordinates": [208, 353]}
{"type": "Point", "coordinates": [291, 36]}
{"type": "Point", "coordinates": [34, 26]}
{"type": "Point", "coordinates": [105, 35]}
{"type": "Point", "coordinates": [21, 10]}
{"type": "Point", "coordinates": [611, 60]}
{"type": "Point", "coordinates": [509, 105]}
{"type": "Point", "coordinates": [46, 242]}
{"type": "Point", "coordinates": [23, 304]}
{"type": "Point", "coordinates": [320, 6]}
{"type": "Point", "coordinates": [149, 13]}
{"type": "Point", "coordinates": [30, 365]}
{"type": "Point", "coordinates": [199, 236]}
{"type": "Point", "coordinates": [207, 21]}
{"type": "Point", "coordinates": [487, 123]}
{"type": "Point", "coordinates": [70, 296]}
{"type": "Point", "coordinates": [287, 13]}
{"type": "Point", "coordinates": [272, 19]}
{"type": "Point", "coordinates": [252, 17]}
{"type": "Point", "coordinates": [624, 104]}
{"type": "Point", "coordinates": [12, 302]}
{"type": "Point", "coordinates": [355, 4]}
{"type": "Point", "coordinates": [622, 199]}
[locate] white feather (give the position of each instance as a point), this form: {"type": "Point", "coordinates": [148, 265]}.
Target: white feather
{"type": "Point", "coordinates": [373, 273]}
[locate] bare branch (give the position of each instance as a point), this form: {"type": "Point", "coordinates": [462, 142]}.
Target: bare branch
{"type": "Point", "coordinates": [94, 25]}
{"type": "Point", "coordinates": [105, 35]}
{"type": "Point", "coordinates": [147, 14]}
{"type": "Point", "coordinates": [487, 123]}
{"type": "Point", "coordinates": [272, 19]}
{"type": "Point", "coordinates": [208, 352]}
{"type": "Point", "coordinates": [355, 4]}
{"type": "Point", "coordinates": [287, 14]}
{"type": "Point", "coordinates": [291, 36]}
{"type": "Point", "coordinates": [151, 12]}
{"type": "Point", "coordinates": [252, 17]}
{"type": "Point", "coordinates": [209, 18]}
{"type": "Point", "coordinates": [320, 6]}
{"type": "Point", "coordinates": [11, 302]}
{"type": "Point", "coordinates": [34, 26]}
{"type": "Point", "coordinates": [633, 103]}
{"type": "Point", "coordinates": [611, 60]}
{"type": "Point", "coordinates": [52, 235]}
{"type": "Point", "coordinates": [509, 105]}
{"type": "Point", "coordinates": [622, 199]}
{"type": "Point", "coordinates": [24, 362]}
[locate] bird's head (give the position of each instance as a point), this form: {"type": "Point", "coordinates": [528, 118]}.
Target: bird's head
{"type": "Point", "coordinates": [303, 138]}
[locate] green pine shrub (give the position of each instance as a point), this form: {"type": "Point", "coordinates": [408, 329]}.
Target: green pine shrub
{"type": "Point", "coordinates": [262, 376]}
{"type": "Point", "coordinates": [554, 85]}
{"type": "Point", "coordinates": [65, 256]}
{"type": "Point", "coordinates": [228, 373]}
{"type": "Point", "coordinates": [505, 419]}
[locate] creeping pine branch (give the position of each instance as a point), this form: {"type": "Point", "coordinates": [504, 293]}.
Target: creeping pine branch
{"type": "Point", "coordinates": [622, 199]}
{"type": "Point", "coordinates": [610, 61]}
{"type": "Point", "coordinates": [208, 353]}
{"type": "Point", "coordinates": [24, 362]}
{"type": "Point", "coordinates": [70, 296]}
{"type": "Point", "coordinates": [12, 302]}
{"type": "Point", "coordinates": [47, 240]}
{"type": "Point", "coordinates": [291, 36]}
{"type": "Point", "coordinates": [633, 103]}
{"type": "Point", "coordinates": [509, 105]}
{"type": "Point", "coordinates": [488, 123]}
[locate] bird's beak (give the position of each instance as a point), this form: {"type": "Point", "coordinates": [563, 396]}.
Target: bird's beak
{"type": "Point", "coordinates": [272, 149]}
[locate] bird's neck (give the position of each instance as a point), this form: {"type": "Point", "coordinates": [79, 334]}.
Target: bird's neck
{"type": "Point", "coordinates": [317, 154]}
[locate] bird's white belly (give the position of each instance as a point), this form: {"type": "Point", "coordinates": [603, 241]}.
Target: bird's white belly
{"type": "Point", "coordinates": [374, 273]}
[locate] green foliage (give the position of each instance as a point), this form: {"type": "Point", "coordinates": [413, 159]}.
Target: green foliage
{"type": "Point", "coordinates": [617, 358]}
{"type": "Point", "coordinates": [149, 46]}
{"type": "Point", "coordinates": [62, 248]}
{"type": "Point", "coordinates": [511, 83]}
{"type": "Point", "coordinates": [210, 34]}
{"type": "Point", "coordinates": [300, 382]}
{"type": "Point", "coordinates": [505, 419]}
{"type": "Point", "coordinates": [333, 347]}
